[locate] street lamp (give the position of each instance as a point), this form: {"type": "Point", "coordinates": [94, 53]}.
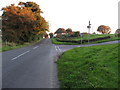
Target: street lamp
{"type": "Point", "coordinates": [89, 26]}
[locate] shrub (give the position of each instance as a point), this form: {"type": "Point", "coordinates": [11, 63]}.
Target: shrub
{"type": "Point", "coordinates": [76, 34]}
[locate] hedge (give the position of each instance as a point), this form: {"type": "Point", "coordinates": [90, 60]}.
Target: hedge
{"type": "Point", "coordinates": [83, 41]}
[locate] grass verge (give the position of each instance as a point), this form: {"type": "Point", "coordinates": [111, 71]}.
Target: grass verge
{"type": "Point", "coordinates": [54, 41]}
{"type": "Point", "coordinates": [89, 67]}
{"type": "Point", "coordinates": [15, 46]}
{"type": "Point", "coordinates": [7, 47]}
{"type": "Point", "coordinates": [92, 36]}
{"type": "Point", "coordinates": [113, 38]}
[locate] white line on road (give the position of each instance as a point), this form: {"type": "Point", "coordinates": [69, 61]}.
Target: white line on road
{"type": "Point", "coordinates": [57, 48]}
{"type": "Point", "coordinates": [35, 47]}
{"type": "Point", "coordinates": [20, 55]}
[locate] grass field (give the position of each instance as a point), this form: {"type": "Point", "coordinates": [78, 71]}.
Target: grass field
{"type": "Point", "coordinates": [92, 36]}
{"type": "Point", "coordinates": [85, 37]}
{"type": "Point", "coordinates": [89, 67]}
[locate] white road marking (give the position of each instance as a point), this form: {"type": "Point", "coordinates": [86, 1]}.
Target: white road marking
{"type": "Point", "coordinates": [35, 47]}
{"type": "Point", "coordinates": [57, 48]}
{"type": "Point", "coordinates": [20, 55]}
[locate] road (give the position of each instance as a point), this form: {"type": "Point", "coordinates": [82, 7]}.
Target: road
{"type": "Point", "coordinates": [63, 48]}
{"type": "Point", "coordinates": [30, 67]}
{"type": "Point", "coordinates": [33, 66]}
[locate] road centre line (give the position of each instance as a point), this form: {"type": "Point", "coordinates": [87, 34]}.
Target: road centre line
{"type": "Point", "coordinates": [20, 55]}
{"type": "Point", "coordinates": [35, 47]}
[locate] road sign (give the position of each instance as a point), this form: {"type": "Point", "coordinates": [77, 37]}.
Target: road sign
{"type": "Point", "coordinates": [89, 31]}
{"type": "Point", "coordinates": [88, 26]}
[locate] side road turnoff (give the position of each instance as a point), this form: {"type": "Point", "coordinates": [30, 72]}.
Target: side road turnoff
{"type": "Point", "coordinates": [33, 66]}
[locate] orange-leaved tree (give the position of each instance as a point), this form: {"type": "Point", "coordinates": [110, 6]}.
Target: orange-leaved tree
{"type": "Point", "coordinates": [104, 29]}
{"type": "Point", "coordinates": [60, 31]}
{"type": "Point", "coordinates": [23, 23]}
{"type": "Point", "coordinates": [19, 21]}
{"type": "Point", "coordinates": [41, 24]}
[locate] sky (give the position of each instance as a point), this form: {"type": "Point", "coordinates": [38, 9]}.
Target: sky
{"type": "Point", "coordinates": [75, 14]}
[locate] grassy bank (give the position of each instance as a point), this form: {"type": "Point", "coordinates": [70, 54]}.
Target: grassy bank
{"type": "Point", "coordinates": [54, 41]}
{"type": "Point", "coordinates": [10, 46]}
{"type": "Point", "coordinates": [92, 36]}
{"type": "Point", "coordinates": [89, 67]}
{"type": "Point", "coordinates": [85, 37]}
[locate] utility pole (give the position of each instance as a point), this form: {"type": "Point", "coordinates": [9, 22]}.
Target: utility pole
{"type": "Point", "coordinates": [81, 37]}
{"type": "Point", "coordinates": [89, 26]}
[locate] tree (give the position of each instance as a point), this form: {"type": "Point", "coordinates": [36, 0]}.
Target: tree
{"type": "Point", "coordinates": [117, 32]}
{"type": "Point", "coordinates": [32, 5]}
{"type": "Point", "coordinates": [24, 22]}
{"type": "Point", "coordinates": [104, 29]}
{"type": "Point", "coordinates": [41, 23]}
{"type": "Point", "coordinates": [94, 33]}
{"type": "Point", "coordinates": [60, 31]}
{"type": "Point", "coordinates": [69, 30]}
{"type": "Point", "coordinates": [45, 35]}
{"type": "Point", "coordinates": [19, 21]}
{"type": "Point", "coordinates": [76, 34]}
{"type": "Point", "coordinates": [51, 35]}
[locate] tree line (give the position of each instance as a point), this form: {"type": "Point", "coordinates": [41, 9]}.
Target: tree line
{"type": "Point", "coordinates": [69, 33]}
{"type": "Point", "coordinates": [23, 23]}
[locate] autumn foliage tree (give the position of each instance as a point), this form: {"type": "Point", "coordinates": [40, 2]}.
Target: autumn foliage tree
{"type": "Point", "coordinates": [45, 35]}
{"type": "Point", "coordinates": [17, 23]}
{"type": "Point", "coordinates": [22, 23]}
{"type": "Point", "coordinates": [60, 31]}
{"type": "Point", "coordinates": [41, 23]}
{"type": "Point", "coordinates": [104, 29]}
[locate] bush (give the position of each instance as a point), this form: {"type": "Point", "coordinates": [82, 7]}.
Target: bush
{"type": "Point", "coordinates": [51, 35]}
{"type": "Point", "coordinates": [76, 34]}
{"type": "Point", "coordinates": [117, 35]}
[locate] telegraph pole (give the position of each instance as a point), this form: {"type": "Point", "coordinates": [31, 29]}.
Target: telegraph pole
{"type": "Point", "coordinates": [81, 37]}
{"type": "Point", "coordinates": [89, 26]}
